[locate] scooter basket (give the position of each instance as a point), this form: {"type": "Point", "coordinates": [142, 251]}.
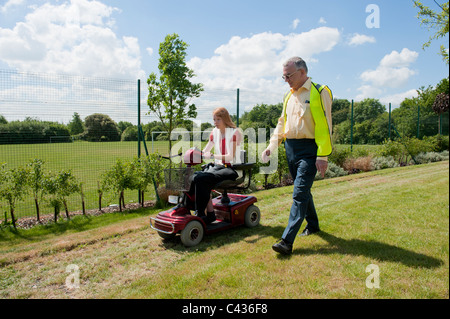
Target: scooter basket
{"type": "Point", "coordinates": [178, 179]}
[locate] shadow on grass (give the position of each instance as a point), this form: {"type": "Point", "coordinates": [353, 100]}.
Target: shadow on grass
{"type": "Point", "coordinates": [371, 249]}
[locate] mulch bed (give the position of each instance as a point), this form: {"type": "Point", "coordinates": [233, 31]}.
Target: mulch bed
{"type": "Point", "coordinates": [29, 222]}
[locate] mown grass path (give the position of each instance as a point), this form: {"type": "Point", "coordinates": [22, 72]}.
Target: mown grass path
{"type": "Point", "coordinates": [396, 219]}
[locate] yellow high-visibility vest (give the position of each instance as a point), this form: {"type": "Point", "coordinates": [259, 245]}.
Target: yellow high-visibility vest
{"type": "Point", "coordinates": [321, 129]}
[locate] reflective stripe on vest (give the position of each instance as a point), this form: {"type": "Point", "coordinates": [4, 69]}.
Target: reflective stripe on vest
{"type": "Point", "coordinates": [321, 129]}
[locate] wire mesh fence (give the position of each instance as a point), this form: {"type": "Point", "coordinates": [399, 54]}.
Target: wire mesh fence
{"type": "Point", "coordinates": [40, 108]}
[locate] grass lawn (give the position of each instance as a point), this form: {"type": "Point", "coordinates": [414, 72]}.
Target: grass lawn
{"type": "Point", "coordinates": [396, 219]}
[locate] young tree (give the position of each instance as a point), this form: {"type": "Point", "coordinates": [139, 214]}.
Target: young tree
{"type": "Point", "coordinates": [37, 182]}
{"type": "Point", "coordinates": [13, 187]}
{"type": "Point", "coordinates": [119, 177]}
{"type": "Point", "coordinates": [60, 187]}
{"type": "Point", "coordinates": [169, 96]}
{"type": "Point", "coordinates": [149, 170]}
{"type": "Point", "coordinates": [435, 20]}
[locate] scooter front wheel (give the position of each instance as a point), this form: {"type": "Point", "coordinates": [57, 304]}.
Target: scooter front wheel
{"type": "Point", "coordinates": [192, 234]}
{"type": "Point", "coordinates": [252, 216]}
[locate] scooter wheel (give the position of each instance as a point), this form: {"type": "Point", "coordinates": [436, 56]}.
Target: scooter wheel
{"type": "Point", "coordinates": [252, 216]}
{"type": "Point", "coordinates": [192, 234]}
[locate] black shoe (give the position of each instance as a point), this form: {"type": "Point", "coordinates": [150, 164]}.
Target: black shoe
{"type": "Point", "coordinates": [307, 232]}
{"type": "Point", "coordinates": [211, 217]}
{"type": "Point", "coordinates": [282, 247]}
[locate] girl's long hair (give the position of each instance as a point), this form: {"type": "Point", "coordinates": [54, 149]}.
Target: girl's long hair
{"type": "Point", "coordinates": [225, 116]}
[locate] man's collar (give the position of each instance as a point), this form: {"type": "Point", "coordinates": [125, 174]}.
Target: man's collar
{"type": "Point", "coordinates": [306, 86]}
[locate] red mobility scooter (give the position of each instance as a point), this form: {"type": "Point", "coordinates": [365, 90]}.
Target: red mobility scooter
{"type": "Point", "coordinates": [231, 210]}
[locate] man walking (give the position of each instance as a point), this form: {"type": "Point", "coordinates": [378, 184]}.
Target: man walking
{"type": "Point", "coordinates": [305, 126]}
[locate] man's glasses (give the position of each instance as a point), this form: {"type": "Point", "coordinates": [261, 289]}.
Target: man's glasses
{"type": "Point", "coordinates": [287, 77]}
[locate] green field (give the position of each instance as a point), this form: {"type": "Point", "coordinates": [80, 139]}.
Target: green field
{"type": "Point", "coordinates": [87, 161]}
{"type": "Point", "coordinates": [395, 219]}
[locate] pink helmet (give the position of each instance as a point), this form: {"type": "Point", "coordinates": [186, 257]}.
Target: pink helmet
{"type": "Point", "coordinates": [193, 156]}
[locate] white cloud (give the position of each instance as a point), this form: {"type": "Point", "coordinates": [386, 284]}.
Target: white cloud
{"type": "Point", "coordinates": [295, 24]}
{"type": "Point", "coordinates": [254, 65]}
{"type": "Point", "coordinates": [9, 4]}
{"type": "Point", "coordinates": [149, 51]}
{"type": "Point", "coordinates": [322, 20]}
{"type": "Point", "coordinates": [396, 59]}
{"type": "Point", "coordinates": [249, 63]}
{"type": "Point", "coordinates": [393, 71]}
{"type": "Point", "coordinates": [396, 99]}
{"type": "Point", "coordinates": [74, 37]}
{"type": "Point", "coordinates": [358, 39]}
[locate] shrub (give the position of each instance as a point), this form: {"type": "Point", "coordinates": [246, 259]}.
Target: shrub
{"type": "Point", "coordinates": [439, 142]}
{"type": "Point", "coordinates": [333, 170]}
{"type": "Point", "coordinates": [355, 165]}
{"type": "Point", "coordinates": [382, 162]}
{"type": "Point", "coordinates": [431, 157]}
{"type": "Point", "coordinates": [339, 156]}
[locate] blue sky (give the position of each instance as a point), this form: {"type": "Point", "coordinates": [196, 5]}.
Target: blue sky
{"type": "Point", "coordinates": [232, 44]}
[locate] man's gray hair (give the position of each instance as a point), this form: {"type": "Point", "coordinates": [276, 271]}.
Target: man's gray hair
{"type": "Point", "coordinates": [299, 63]}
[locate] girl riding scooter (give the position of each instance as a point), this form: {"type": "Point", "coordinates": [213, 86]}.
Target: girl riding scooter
{"type": "Point", "coordinates": [226, 140]}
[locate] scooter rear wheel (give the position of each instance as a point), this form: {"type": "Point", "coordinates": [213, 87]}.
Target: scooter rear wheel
{"type": "Point", "coordinates": [192, 234]}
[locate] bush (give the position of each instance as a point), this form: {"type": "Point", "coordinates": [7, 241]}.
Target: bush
{"type": "Point", "coordinates": [440, 143]}
{"type": "Point", "coordinates": [356, 165]}
{"type": "Point", "coordinates": [32, 131]}
{"type": "Point", "coordinates": [339, 156]}
{"type": "Point", "coordinates": [431, 157]}
{"type": "Point", "coordinates": [382, 162]}
{"type": "Point", "coordinates": [333, 170]}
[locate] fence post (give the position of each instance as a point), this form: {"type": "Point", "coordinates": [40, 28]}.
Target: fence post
{"type": "Point", "coordinates": [139, 115]}
{"type": "Point", "coordinates": [389, 122]}
{"type": "Point", "coordinates": [237, 108]}
{"type": "Point", "coordinates": [351, 131]}
{"type": "Point", "coordinates": [139, 126]}
{"type": "Point", "coordinates": [418, 121]}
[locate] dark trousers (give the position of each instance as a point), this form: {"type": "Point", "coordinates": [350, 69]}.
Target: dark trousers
{"type": "Point", "coordinates": [301, 156]}
{"type": "Point", "coordinates": [204, 181]}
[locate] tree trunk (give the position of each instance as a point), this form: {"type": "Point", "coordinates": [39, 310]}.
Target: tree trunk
{"type": "Point", "coordinates": [56, 213]}
{"type": "Point", "coordinates": [67, 210]}
{"type": "Point", "coordinates": [13, 218]}
{"type": "Point", "coordinates": [36, 202]}
{"type": "Point", "coordinates": [83, 206]}
{"type": "Point", "coordinates": [100, 201]}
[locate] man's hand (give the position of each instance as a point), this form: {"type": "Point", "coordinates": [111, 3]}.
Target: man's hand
{"type": "Point", "coordinates": [321, 167]}
{"type": "Point", "coordinates": [265, 156]}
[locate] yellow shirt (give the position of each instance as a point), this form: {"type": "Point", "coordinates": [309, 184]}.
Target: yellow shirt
{"type": "Point", "coordinates": [299, 119]}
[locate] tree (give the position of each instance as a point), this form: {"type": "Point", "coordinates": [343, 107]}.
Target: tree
{"type": "Point", "coordinates": [437, 21]}
{"type": "Point", "coordinates": [440, 106]}
{"type": "Point", "coordinates": [13, 187]}
{"type": "Point", "coordinates": [149, 170]}
{"type": "Point", "coordinates": [169, 97]}
{"type": "Point", "coordinates": [368, 109]}
{"type": "Point", "coordinates": [37, 182]}
{"type": "Point", "coordinates": [340, 111]}
{"type": "Point", "coordinates": [119, 177]}
{"type": "Point", "coordinates": [100, 127]}
{"type": "Point", "coordinates": [76, 125]}
{"type": "Point", "coordinates": [60, 186]}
